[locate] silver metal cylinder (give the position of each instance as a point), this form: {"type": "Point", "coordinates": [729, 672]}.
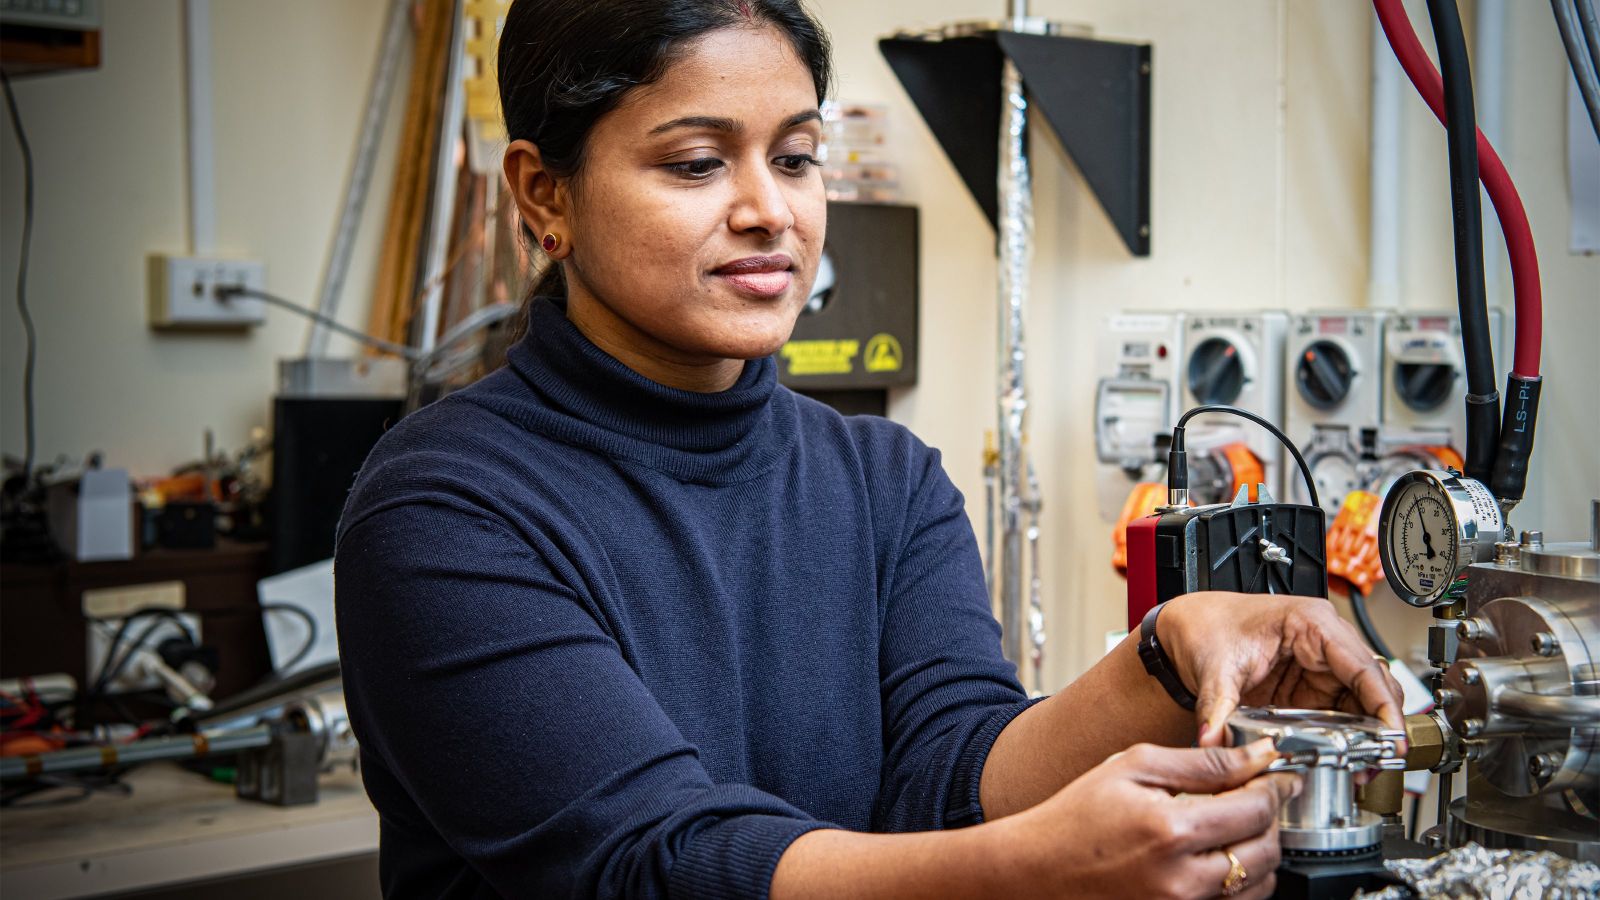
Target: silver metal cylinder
{"type": "Point", "coordinates": [1328, 798]}
{"type": "Point", "coordinates": [1559, 709]}
{"type": "Point", "coordinates": [85, 759]}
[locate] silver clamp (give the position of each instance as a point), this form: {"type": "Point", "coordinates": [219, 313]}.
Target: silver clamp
{"type": "Point", "coordinates": [1329, 748]}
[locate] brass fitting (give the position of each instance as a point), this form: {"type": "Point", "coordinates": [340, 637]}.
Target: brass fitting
{"type": "Point", "coordinates": [1425, 741]}
{"type": "Point", "coordinates": [1426, 748]}
{"type": "Point", "coordinates": [1383, 794]}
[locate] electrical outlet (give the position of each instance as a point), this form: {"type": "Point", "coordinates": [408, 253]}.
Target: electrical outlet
{"type": "Point", "coordinates": [183, 292]}
{"type": "Point", "coordinates": [99, 641]}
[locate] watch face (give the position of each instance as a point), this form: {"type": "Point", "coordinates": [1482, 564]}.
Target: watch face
{"type": "Point", "coordinates": [1423, 539]}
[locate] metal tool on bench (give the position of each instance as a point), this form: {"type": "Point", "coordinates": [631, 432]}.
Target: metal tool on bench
{"type": "Point", "coordinates": [283, 743]}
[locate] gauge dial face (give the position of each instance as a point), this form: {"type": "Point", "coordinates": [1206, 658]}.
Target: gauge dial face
{"type": "Point", "coordinates": [1423, 543]}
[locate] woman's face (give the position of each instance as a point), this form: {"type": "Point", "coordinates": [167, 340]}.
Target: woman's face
{"type": "Point", "coordinates": [699, 214]}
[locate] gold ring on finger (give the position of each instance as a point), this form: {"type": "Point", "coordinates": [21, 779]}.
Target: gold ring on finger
{"type": "Point", "coordinates": [1233, 882]}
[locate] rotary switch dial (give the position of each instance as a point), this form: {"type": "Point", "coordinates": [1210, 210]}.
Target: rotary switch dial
{"type": "Point", "coordinates": [1424, 386]}
{"type": "Point", "coordinates": [1216, 373]}
{"type": "Point", "coordinates": [1324, 374]}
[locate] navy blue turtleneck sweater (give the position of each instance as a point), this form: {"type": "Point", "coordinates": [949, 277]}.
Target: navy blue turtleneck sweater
{"type": "Point", "coordinates": [605, 638]}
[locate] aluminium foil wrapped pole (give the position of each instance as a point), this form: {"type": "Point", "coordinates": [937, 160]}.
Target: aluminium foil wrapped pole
{"type": "Point", "coordinates": [1015, 251]}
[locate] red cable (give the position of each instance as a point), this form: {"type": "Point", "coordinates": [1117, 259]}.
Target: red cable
{"type": "Point", "coordinates": [1502, 193]}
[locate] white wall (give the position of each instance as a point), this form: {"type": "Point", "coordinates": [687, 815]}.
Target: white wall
{"type": "Point", "coordinates": [290, 81]}
{"type": "Point", "coordinates": [1259, 199]}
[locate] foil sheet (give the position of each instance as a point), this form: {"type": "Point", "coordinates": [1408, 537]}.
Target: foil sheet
{"type": "Point", "coordinates": [1472, 872]}
{"type": "Point", "coordinates": [1016, 245]}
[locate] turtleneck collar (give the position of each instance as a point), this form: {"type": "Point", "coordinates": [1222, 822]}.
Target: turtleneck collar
{"type": "Point", "coordinates": [588, 398]}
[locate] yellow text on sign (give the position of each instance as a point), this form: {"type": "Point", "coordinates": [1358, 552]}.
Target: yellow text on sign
{"type": "Point", "coordinates": [820, 357]}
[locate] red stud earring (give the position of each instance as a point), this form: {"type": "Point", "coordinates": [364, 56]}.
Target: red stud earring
{"type": "Point", "coordinates": [551, 242]}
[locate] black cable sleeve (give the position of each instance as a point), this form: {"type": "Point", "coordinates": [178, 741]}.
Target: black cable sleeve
{"type": "Point", "coordinates": [1510, 476]}
{"type": "Point", "coordinates": [1177, 464]}
{"type": "Point", "coordinates": [1461, 135]}
{"type": "Point", "coordinates": [1358, 607]}
{"type": "Point", "coordinates": [1305, 470]}
{"type": "Point", "coordinates": [1483, 435]}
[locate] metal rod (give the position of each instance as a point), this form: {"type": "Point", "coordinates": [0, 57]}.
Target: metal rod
{"type": "Point", "coordinates": [1036, 635]}
{"type": "Point", "coordinates": [1565, 709]}
{"type": "Point", "coordinates": [991, 480]}
{"type": "Point", "coordinates": [1446, 785]}
{"type": "Point", "coordinates": [361, 168]}
{"type": "Point", "coordinates": [83, 759]}
{"type": "Point", "coordinates": [1594, 525]}
{"type": "Point", "coordinates": [443, 201]}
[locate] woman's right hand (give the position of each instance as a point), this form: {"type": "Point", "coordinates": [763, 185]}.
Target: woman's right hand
{"type": "Point", "coordinates": [1154, 822]}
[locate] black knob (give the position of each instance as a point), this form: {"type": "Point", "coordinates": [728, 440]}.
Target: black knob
{"type": "Point", "coordinates": [1216, 374]}
{"type": "Point", "coordinates": [1424, 386]}
{"type": "Point", "coordinates": [1324, 374]}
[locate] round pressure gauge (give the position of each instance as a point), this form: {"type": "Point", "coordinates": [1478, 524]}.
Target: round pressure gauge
{"type": "Point", "coordinates": [1434, 524]}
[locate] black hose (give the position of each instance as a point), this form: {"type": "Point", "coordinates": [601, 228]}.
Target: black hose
{"type": "Point", "coordinates": [1358, 607]}
{"type": "Point", "coordinates": [1461, 132]}
{"type": "Point", "coordinates": [1589, 23]}
{"type": "Point", "coordinates": [1580, 35]}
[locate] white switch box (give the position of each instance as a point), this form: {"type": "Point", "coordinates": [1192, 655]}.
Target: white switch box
{"type": "Point", "coordinates": [154, 631]}
{"type": "Point", "coordinates": [184, 292]}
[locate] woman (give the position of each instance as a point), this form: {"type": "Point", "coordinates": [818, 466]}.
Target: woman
{"type": "Point", "coordinates": [627, 618]}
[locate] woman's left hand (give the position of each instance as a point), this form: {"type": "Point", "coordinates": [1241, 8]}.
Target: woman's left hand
{"type": "Point", "coordinates": [1270, 649]}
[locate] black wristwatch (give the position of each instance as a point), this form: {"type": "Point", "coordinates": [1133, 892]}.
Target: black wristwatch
{"type": "Point", "coordinates": [1156, 662]}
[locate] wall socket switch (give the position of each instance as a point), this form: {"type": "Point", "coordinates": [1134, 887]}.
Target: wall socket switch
{"type": "Point", "coordinates": [132, 678]}
{"type": "Point", "coordinates": [183, 292]}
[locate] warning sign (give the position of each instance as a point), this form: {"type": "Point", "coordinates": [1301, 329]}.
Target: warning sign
{"type": "Point", "coordinates": [822, 357]}
{"type": "Point", "coordinates": [884, 354]}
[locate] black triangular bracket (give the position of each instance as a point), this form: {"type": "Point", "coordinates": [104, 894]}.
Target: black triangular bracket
{"type": "Point", "coordinates": [1094, 94]}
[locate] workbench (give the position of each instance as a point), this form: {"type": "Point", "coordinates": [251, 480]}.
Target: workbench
{"type": "Point", "coordinates": [182, 835]}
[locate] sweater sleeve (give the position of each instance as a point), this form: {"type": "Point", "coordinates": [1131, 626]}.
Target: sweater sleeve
{"type": "Point", "coordinates": [484, 684]}
{"type": "Point", "coordinates": [947, 689]}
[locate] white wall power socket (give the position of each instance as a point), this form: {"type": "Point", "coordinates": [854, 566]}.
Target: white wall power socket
{"type": "Point", "coordinates": [133, 677]}
{"type": "Point", "coordinates": [183, 292]}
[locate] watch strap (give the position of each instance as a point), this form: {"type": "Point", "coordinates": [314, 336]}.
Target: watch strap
{"type": "Point", "coordinates": [1158, 664]}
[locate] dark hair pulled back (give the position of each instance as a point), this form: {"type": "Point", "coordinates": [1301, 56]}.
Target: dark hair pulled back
{"type": "Point", "coordinates": [563, 64]}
